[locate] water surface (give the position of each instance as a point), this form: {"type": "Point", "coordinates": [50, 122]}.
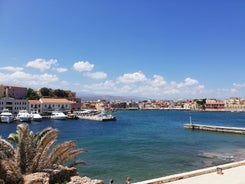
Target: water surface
{"type": "Point", "coordinates": [147, 144]}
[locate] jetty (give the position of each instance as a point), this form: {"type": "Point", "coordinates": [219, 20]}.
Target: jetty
{"type": "Point", "coordinates": [223, 129]}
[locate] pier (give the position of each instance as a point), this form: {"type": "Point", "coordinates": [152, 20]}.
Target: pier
{"type": "Point", "coordinates": [223, 129]}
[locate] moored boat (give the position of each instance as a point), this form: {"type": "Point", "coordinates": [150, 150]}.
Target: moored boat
{"type": "Point", "coordinates": [95, 115]}
{"type": "Point", "coordinates": [58, 115]}
{"type": "Point", "coordinates": [72, 116]}
{"type": "Point", "coordinates": [36, 116]}
{"type": "Point", "coordinates": [24, 116]}
{"type": "Point", "coordinates": [6, 116]}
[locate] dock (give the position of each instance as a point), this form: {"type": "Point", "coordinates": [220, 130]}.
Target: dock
{"type": "Point", "coordinates": [223, 129]}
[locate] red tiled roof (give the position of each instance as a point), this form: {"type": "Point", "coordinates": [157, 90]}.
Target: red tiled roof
{"type": "Point", "coordinates": [54, 100]}
{"type": "Point", "coordinates": [34, 102]}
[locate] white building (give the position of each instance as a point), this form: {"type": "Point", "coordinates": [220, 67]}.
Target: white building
{"type": "Point", "coordinates": [55, 104]}
{"type": "Point", "coordinates": [13, 105]}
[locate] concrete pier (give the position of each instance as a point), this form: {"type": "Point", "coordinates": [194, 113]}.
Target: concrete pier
{"type": "Point", "coordinates": [223, 129]}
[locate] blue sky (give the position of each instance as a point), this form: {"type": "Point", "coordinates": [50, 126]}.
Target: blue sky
{"type": "Point", "coordinates": [158, 49]}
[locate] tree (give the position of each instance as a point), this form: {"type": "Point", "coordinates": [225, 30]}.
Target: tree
{"type": "Point", "coordinates": [32, 95]}
{"type": "Point", "coordinates": [35, 152]}
{"type": "Point", "coordinates": [60, 93]}
{"type": "Point", "coordinates": [201, 103]}
{"type": "Point", "coordinates": [46, 92]}
{"type": "Point", "coordinates": [9, 170]}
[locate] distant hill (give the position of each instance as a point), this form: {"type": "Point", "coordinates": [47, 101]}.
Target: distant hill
{"type": "Point", "coordinates": [90, 97]}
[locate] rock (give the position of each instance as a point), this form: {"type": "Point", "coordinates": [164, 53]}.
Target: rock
{"type": "Point", "coordinates": [37, 178]}
{"type": "Point", "coordinates": [61, 174]}
{"type": "Point", "coordinates": [84, 180]}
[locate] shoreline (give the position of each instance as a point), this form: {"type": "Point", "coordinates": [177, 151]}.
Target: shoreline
{"type": "Point", "coordinates": [201, 175]}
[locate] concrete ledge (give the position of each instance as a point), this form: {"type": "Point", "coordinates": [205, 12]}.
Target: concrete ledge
{"type": "Point", "coordinates": [199, 172]}
{"type": "Point", "coordinates": [235, 130]}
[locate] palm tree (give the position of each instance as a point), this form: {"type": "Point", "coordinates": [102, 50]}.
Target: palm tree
{"type": "Point", "coordinates": [9, 170]}
{"type": "Point", "coordinates": [34, 153]}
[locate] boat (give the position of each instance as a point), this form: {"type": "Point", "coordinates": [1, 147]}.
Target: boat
{"type": "Point", "coordinates": [24, 116]}
{"type": "Point", "coordinates": [106, 117]}
{"type": "Point", "coordinates": [94, 115]}
{"type": "Point", "coordinates": [6, 116]}
{"type": "Point", "coordinates": [72, 116]}
{"type": "Point", "coordinates": [36, 116]}
{"type": "Point", "coordinates": [58, 115]}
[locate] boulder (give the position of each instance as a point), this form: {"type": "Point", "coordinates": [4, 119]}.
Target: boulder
{"type": "Point", "coordinates": [37, 178]}
{"type": "Point", "coordinates": [84, 180]}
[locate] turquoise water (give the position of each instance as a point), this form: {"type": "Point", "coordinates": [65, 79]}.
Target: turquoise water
{"type": "Point", "coordinates": [147, 144]}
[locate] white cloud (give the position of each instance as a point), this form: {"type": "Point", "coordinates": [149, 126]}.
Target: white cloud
{"type": "Point", "coordinates": [188, 82]}
{"type": "Point", "coordinates": [107, 87]}
{"type": "Point", "coordinates": [61, 70]}
{"type": "Point", "coordinates": [11, 68]}
{"type": "Point", "coordinates": [137, 84]}
{"type": "Point", "coordinates": [47, 78]}
{"type": "Point", "coordinates": [83, 66]}
{"type": "Point", "coordinates": [27, 79]}
{"type": "Point", "coordinates": [158, 81]}
{"type": "Point", "coordinates": [42, 64]}
{"type": "Point", "coordinates": [132, 77]}
{"type": "Point", "coordinates": [96, 75]}
{"type": "Point", "coordinates": [237, 85]}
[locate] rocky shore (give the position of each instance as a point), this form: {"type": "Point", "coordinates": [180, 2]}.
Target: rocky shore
{"type": "Point", "coordinates": [44, 178]}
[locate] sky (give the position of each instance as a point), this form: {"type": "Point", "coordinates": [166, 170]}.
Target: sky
{"type": "Point", "coordinates": [155, 49]}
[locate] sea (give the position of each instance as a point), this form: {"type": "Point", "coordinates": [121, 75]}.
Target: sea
{"type": "Point", "coordinates": [147, 144]}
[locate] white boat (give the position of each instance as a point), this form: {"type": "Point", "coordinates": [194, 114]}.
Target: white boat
{"type": "Point", "coordinates": [24, 116]}
{"type": "Point", "coordinates": [95, 115]}
{"type": "Point", "coordinates": [36, 116]}
{"type": "Point", "coordinates": [58, 115]}
{"type": "Point", "coordinates": [6, 116]}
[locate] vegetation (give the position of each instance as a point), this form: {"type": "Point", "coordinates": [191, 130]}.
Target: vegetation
{"type": "Point", "coordinates": [45, 92]}
{"type": "Point", "coordinates": [34, 153]}
{"type": "Point", "coordinates": [201, 103]}
{"type": "Point", "coordinates": [32, 95]}
{"type": "Point", "coordinates": [48, 92]}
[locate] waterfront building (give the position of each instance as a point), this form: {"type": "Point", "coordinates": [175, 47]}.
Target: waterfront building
{"type": "Point", "coordinates": [214, 105]}
{"type": "Point", "coordinates": [75, 104]}
{"type": "Point", "coordinates": [100, 106]}
{"type": "Point", "coordinates": [235, 104]}
{"type": "Point", "coordinates": [88, 105]}
{"type": "Point", "coordinates": [13, 105]}
{"type": "Point", "coordinates": [35, 106]}
{"type": "Point", "coordinates": [117, 105]}
{"type": "Point", "coordinates": [55, 104]}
